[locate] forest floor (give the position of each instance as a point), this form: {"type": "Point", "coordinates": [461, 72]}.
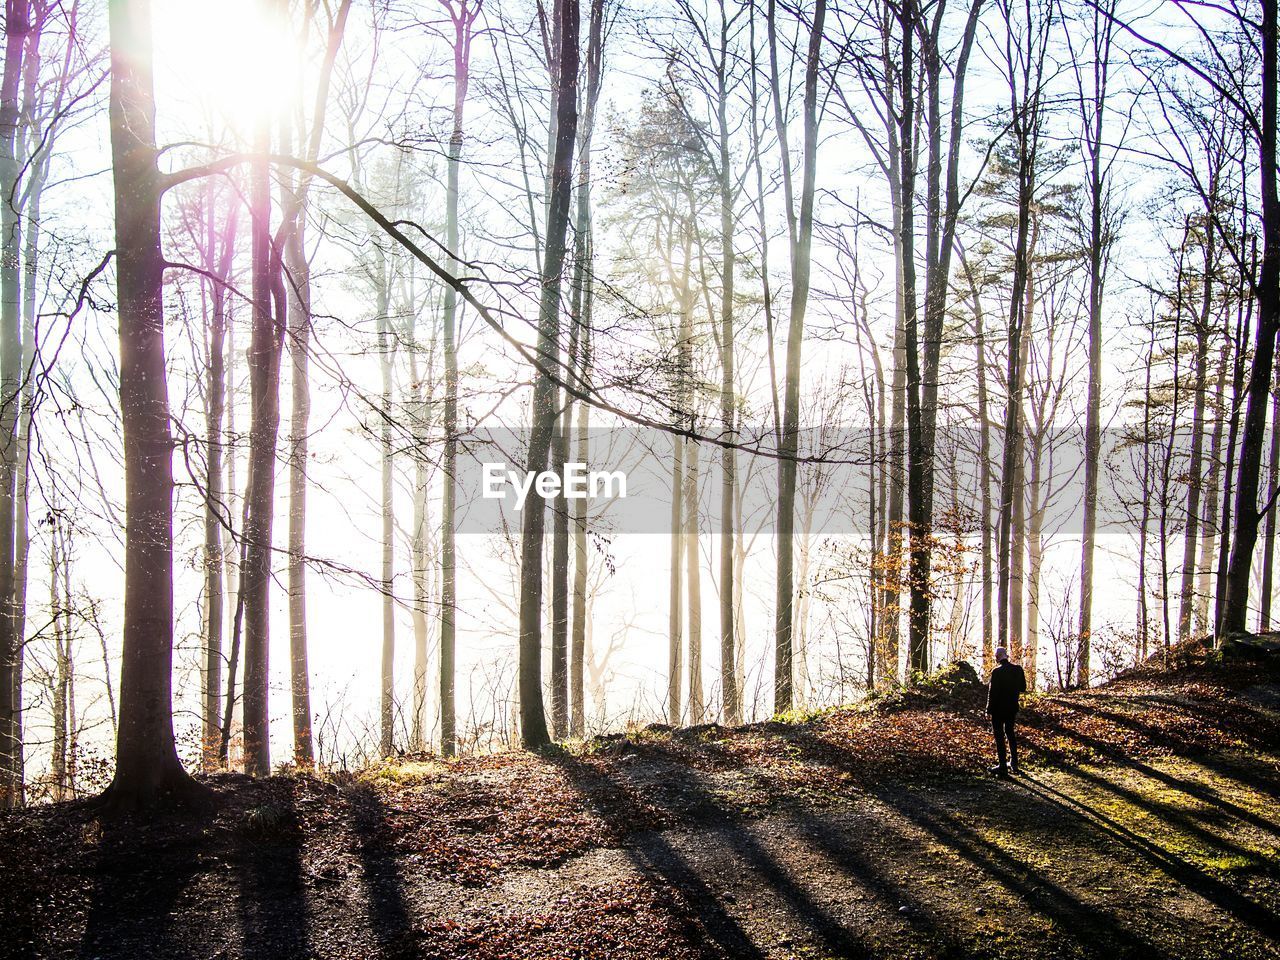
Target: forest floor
{"type": "Point", "coordinates": [1146, 824]}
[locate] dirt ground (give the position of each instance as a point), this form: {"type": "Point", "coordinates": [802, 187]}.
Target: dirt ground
{"type": "Point", "coordinates": [1146, 825]}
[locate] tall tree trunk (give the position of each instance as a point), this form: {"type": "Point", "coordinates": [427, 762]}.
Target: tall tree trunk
{"type": "Point", "coordinates": [418, 545]}
{"type": "Point", "coordinates": [463, 18]}
{"type": "Point", "coordinates": [984, 470]}
{"type": "Point", "coordinates": [1194, 467]}
{"type": "Point", "coordinates": [59, 761]}
{"type": "Point", "coordinates": [1103, 30]}
{"type": "Point", "coordinates": [386, 356]}
{"type": "Point", "coordinates": [675, 609]}
{"type": "Point", "coordinates": [264, 379]}
{"type": "Point", "coordinates": [584, 291]}
{"type": "Point", "coordinates": [1035, 555]}
{"type": "Point", "coordinates": [17, 24]}
{"type": "Point", "coordinates": [1208, 541]}
{"type": "Point", "coordinates": [1018, 513]}
{"type": "Point", "coordinates": [1243, 330]}
{"type": "Point", "coordinates": [1269, 541]}
{"type": "Point", "coordinates": [730, 694]}
{"type": "Point", "coordinates": [697, 703]}
{"type": "Point", "coordinates": [1236, 604]}
{"type": "Point", "coordinates": [560, 567]}
{"type": "Point", "coordinates": [298, 286]}
{"type": "Point", "coordinates": [219, 250]}
{"type": "Point", "coordinates": [533, 725]}
{"type": "Point", "coordinates": [147, 768]}
{"type": "Point", "coordinates": [801, 243]}
{"type": "Point", "coordinates": [37, 175]}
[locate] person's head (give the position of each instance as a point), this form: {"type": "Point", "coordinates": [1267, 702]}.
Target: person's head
{"type": "Point", "coordinates": [1002, 655]}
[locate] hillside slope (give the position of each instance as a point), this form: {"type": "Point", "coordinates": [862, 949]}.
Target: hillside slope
{"type": "Point", "coordinates": [1147, 826]}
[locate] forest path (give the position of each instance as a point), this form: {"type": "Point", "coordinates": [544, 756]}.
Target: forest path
{"type": "Point", "coordinates": [1147, 825]}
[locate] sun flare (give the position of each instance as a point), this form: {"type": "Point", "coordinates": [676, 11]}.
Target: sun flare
{"type": "Point", "coordinates": [238, 59]}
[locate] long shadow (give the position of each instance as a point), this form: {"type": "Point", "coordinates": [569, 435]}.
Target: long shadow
{"type": "Point", "coordinates": [1035, 888]}
{"type": "Point", "coordinates": [687, 894]}
{"type": "Point", "coordinates": [658, 855]}
{"type": "Point", "coordinates": [1193, 878]}
{"type": "Point", "coordinates": [1195, 790]}
{"type": "Point", "coordinates": [143, 868]}
{"type": "Point", "coordinates": [1176, 818]}
{"type": "Point", "coordinates": [389, 916]}
{"type": "Point", "coordinates": [272, 903]}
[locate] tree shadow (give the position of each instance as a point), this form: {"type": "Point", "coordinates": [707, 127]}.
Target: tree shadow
{"type": "Point", "coordinates": [1033, 886]}
{"type": "Point", "coordinates": [1254, 774]}
{"type": "Point", "coordinates": [689, 893]}
{"type": "Point", "coordinates": [678, 885]}
{"type": "Point", "coordinates": [272, 902]}
{"type": "Point", "coordinates": [141, 871]}
{"type": "Point", "coordinates": [389, 916]}
{"type": "Point", "coordinates": [1221, 894]}
{"type": "Point", "coordinates": [1075, 919]}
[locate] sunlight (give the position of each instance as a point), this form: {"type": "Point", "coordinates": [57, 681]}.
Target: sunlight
{"type": "Point", "coordinates": [237, 59]}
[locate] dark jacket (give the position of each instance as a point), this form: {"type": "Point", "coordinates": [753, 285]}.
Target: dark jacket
{"type": "Point", "coordinates": [1007, 683]}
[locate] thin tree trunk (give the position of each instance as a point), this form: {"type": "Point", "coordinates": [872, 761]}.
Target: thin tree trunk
{"type": "Point", "coordinates": [731, 695]}
{"type": "Point", "coordinates": [533, 726]}
{"type": "Point", "coordinates": [1194, 467]}
{"type": "Point", "coordinates": [264, 379]}
{"type": "Point", "coordinates": [675, 609]}
{"type": "Point", "coordinates": [1103, 30]}
{"type": "Point", "coordinates": [59, 761]}
{"type": "Point", "coordinates": [801, 242]}
{"type": "Point", "coordinates": [220, 266]}
{"type": "Point", "coordinates": [1269, 541]}
{"type": "Point", "coordinates": [463, 19]}
{"type": "Point", "coordinates": [1208, 541]}
{"type": "Point", "coordinates": [697, 704]}
{"type": "Point", "coordinates": [386, 356]}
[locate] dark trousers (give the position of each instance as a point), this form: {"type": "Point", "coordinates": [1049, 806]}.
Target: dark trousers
{"type": "Point", "coordinates": [1002, 727]}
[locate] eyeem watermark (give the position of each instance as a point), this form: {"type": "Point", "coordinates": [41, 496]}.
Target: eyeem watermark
{"type": "Point", "coordinates": [575, 482]}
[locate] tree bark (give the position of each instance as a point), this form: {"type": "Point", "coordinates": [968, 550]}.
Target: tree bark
{"type": "Point", "coordinates": [1248, 516]}
{"type": "Point", "coordinates": [17, 25]}
{"type": "Point", "coordinates": [148, 772]}
{"type": "Point", "coordinates": [266, 341]}
{"type": "Point", "coordinates": [533, 726]}
{"type": "Point", "coordinates": [801, 243]}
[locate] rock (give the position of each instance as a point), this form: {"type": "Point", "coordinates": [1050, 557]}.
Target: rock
{"type": "Point", "coordinates": [904, 909]}
{"type": "Point", "coordinates": [1254, 646]}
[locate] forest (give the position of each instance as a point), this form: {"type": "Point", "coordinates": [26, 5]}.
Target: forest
{"type": "Point", "coordinates": [361, 360]}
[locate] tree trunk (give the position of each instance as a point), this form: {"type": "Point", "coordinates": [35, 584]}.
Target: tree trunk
{"type": "Point", "coordinates": [218, 262]}
{"type": "Point", "coordinates": [1247, 518]}
{"type": "Point", "coordinates": [730, 694]}
{"type": "Point", "coordinates": [1103, 30]}
{"type": "Point", "coordinates": [801, 243]}
{"type": "Point", "coordinates": [1204, 587]}
{"type": "Point", "coordinates": [1194, 468]}
{"type": "Point", "coordinates": [17, 24]}
{"type": "Point", "coordinates": [697, 704]}
{"type": "Point", "coordinates": [298, 287]}
{"type": "Point", "coordinates": [264, 379]}
{"type": "Point", "coordinates": [59, 761]}
{"type": "Point", "coordinates": [584, 286]}
{"type": "Point", "coordinates": [148, 772]}
{"type": "Point", "coordinates": [386, 356]}
{"type": "Point", "coordinates": [533, 726]}
{"type": "Point", "coordinates": [1269, 541]}
{"type": "Point", "coordinates": [675, 609]}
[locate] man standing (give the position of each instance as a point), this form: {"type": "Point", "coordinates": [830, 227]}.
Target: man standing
{"type": "Point", "coordinates": [1008, 682]}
